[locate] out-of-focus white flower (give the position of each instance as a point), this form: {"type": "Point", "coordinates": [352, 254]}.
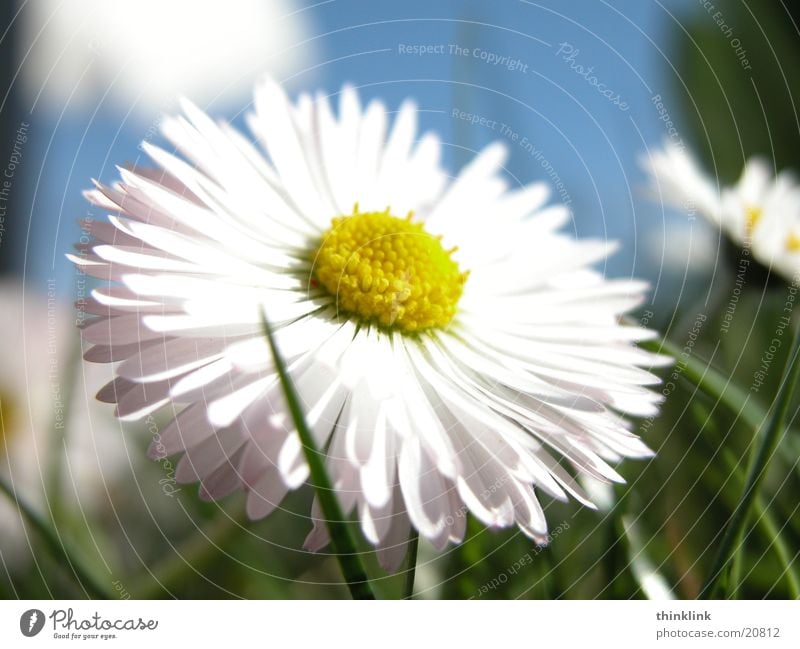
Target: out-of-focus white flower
{"type": "Point", "coordinates": [653, 584]}
{"type": "Point", "coordinates": [35, 411]}
{"type": "Point", "coordinates": [447, 340]}
{"type": "Point", "coordinates": [600, 492]}
{"type": "Point", "coordinates": [145, 53]}
{"type": "Point", "coordinates": [761, 211]}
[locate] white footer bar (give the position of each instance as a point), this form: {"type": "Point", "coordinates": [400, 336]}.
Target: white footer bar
{"type": "Point", "coordinates": [406, 625]}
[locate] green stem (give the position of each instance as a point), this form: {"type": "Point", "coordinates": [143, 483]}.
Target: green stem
{"type": "Point", "coordinates": [343, 545]}
{"type": "Point", "coordinates": [413, 546]}
{"type": "Point", "coordinates": [614, 559]}
{"type": "Point", "coordinates": [549, 580]}
{"type": "Point", "coordinates": [59, 550]}
{"type": "Point", "coordinates": [773, 431]}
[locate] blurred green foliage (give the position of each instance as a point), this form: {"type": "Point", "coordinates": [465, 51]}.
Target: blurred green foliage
{"type": "Point", "coordinates": [738, 75]}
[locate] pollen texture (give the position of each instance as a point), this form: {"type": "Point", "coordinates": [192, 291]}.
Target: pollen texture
{"type": "Point", "coordinates": [390, 271]}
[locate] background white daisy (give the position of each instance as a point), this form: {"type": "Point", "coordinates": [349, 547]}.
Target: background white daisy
{"type": "Point", "coordinates": [761, 211]}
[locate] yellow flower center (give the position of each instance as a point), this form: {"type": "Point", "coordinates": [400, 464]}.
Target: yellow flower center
{"type": "Point", "coordinates": [753, 215]}
{"type": "Point", "coordinates": [8, 419]}
{"type": "Point", "coordinates": [793, 242]}
{"type": "Point", "coordinates": [389, 271]}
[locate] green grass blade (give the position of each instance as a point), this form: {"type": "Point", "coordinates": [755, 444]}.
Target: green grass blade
{"type": "Point", "coordinates": [343, 545]}
{"type": "Point", "coordinates": [766, 522]}
{"type": "Point", "coordinates": [785, 556]}
{"type": "Point", "coordinates": [771, 530]}
{"type": "Point", "coordinates": [712, 383]}
{"type": "Point", "coordinates": [741, 403]}
{"type": "Point", "coordinates": [772, 432]}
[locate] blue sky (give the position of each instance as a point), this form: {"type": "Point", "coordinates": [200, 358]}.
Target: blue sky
{"type": "Point", "coordinates": [573, 83]}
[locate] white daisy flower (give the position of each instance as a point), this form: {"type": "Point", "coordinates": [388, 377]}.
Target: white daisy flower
{"type": "Point", "coordinates": [450, 345]}
{"type": "Point", "coordinates": [760, 212]}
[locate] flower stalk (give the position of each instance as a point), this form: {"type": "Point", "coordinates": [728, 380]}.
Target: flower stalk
{"type": "Point", "coordinates": [413, 546]}
{"type": "Point", "coordinates": [343, 545]}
